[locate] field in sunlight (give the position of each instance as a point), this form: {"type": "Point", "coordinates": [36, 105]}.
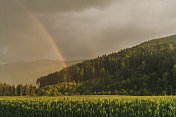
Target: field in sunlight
{"type": "Point", "coordinates": [92, 105]}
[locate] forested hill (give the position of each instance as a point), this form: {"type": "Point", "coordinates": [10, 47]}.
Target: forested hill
{"type": "Point", "coordinates": [146, 68]}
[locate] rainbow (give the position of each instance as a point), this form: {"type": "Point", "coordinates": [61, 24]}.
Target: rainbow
{"type": "Point", "coordinates": [44, 30]}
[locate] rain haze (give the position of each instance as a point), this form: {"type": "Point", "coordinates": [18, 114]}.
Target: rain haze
{"type": "Point", "coordinates": [79, 29]}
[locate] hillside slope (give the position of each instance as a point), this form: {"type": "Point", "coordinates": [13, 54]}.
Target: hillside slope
{"type": "Point", "coordinates": [28, 72]}
{"type": "Point", "coordinates": [148, 68]}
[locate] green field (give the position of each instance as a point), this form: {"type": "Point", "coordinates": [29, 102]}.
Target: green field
{"type": "Point", "coordinates": [88, 106]}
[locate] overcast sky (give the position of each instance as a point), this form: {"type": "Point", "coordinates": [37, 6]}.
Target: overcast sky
{"type": "Point", "coordinates": [81, 28]}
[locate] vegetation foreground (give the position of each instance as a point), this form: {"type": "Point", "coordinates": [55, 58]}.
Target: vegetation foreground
{"type": "Point", "coordinates": [87, 106]}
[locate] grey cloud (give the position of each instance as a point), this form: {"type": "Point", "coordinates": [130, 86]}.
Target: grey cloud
{"type": "Point", "coordinates": [55, 6]}
{"type": "Point", "coordinates": [119, 26]}
{"type": "Point", "coordinates": [4, 51]}
{"type": "Point", "coordinates": [21, 33]}
{"type": "Point", "coordinates": [81, 28]}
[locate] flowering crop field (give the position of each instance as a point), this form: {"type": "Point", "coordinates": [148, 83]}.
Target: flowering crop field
{"type": "Point", "coordinates": [88, 106]}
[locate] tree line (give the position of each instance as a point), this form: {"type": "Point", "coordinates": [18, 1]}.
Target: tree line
{"type": "Point", "coordinates": [19, 90]}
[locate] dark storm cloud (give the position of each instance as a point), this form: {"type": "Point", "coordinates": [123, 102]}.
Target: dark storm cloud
{"type": "Point", "coordinates": [55, 6]}
{"type": "Point", "coordinates": [81, 28]}
{"type": "Point", "coordinates": [119, 26]}
{"type": "Point", "coordinates": [21, 33]}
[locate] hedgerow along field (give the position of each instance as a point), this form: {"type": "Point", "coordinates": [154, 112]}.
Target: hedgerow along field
{"type": "Point", "coordinates": [88, 106]}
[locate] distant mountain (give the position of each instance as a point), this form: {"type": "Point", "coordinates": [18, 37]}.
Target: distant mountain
{"type": "Point", "coordinates": [146, 69]}
{"type": "Point", "coordinates": [28, 72]}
